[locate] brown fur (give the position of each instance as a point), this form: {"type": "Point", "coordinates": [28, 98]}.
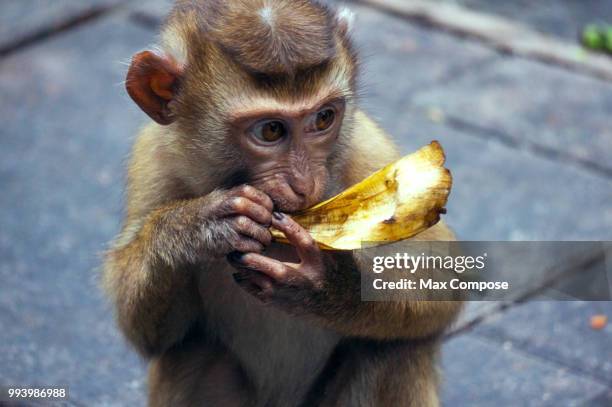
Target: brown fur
{"type": "Point", "coordinates": [192, 374]}
{"type": "Point", "coordinates": [299, 36]}
{"type": "Point", "coordinates": [210, 342]}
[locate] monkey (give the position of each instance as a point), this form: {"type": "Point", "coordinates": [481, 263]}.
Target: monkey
{"type": "Point", "coordinates": [255, 116]}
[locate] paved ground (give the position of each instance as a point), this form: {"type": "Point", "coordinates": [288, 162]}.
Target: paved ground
{"type": "Point", "coordinates": [564, 18]}
{"type": "Point", "coordinates": [530, 147]}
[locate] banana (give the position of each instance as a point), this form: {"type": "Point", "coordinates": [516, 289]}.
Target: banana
{"type": "Point", "coordinates": [395, 203]}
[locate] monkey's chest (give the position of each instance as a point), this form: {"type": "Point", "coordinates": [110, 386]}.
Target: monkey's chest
{"type": "Point", "coordinates": [281, 354]}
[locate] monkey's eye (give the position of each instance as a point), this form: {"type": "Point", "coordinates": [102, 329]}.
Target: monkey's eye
{"type": "Point", "coordinates": [325, 118]}
{"type": "Point", "coordinates": [270, 131]}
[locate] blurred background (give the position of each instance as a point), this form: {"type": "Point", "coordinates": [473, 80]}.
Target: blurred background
{"type": "Point", "coordinates": [522, 108]}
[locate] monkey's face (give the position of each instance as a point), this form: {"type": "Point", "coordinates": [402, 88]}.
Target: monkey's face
{"type": "Point", "coordinates": [255, 88]}
{"type": "Point", "coordinates": [286, 150]}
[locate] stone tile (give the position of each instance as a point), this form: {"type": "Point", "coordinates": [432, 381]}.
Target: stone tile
{"type": "Point", "coordinates": [563, 18]}
{"type": "Point", "coordinates": [534, 103]}
{"type": "Point", "coordinates": [153, 8]}
{"type": "Point", "coordinates": [557, 331]}
{"type": "Point", "coordinates": [24, 17]}
{"type": "Point", "coordinates": [601, 400]}
{"type": "Point", "coordinates": [479, 372]}
{"type": "Point", "coordinates": [399, 57]}
{"type": "Point", "coordinates": [67, 128]}
{"type": "Point", "coordinates": [472, 311]}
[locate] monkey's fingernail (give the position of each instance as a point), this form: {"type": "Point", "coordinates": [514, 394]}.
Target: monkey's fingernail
{"type": "Point", "coordinates": [238, 277]}
{"type": "Point", "coordinates": [278, 215]}
{"type": "Point", "coordinates": [236, 257]}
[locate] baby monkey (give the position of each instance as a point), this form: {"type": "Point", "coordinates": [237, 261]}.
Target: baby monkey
{"type": "Point", "coordinates": [254, 117]}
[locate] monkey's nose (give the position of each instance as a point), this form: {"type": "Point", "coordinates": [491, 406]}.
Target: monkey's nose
{"type": "Point", "coordinates": [302, 186]}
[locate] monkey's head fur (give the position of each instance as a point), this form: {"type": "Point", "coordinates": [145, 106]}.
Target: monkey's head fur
{"type": "Point", "coordinates": [224, 69]}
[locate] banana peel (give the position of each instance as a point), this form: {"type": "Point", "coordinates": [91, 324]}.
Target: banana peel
{"type": "Point", "coordinates": [395, 203]}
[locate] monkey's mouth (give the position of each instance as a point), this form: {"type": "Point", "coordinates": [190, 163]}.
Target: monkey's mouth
{"type": "Point", "coordinates": [292, 203]}
{"type": "Point", "coordinates": [290, 206]}
{"type": "Point", "coordinates": [284, 197]}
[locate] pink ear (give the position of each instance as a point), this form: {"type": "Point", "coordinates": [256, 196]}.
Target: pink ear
{"type": "Point", "coordinates": [151, 82]}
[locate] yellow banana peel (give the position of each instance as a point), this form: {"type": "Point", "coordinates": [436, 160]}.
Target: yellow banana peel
{"type": "Point", "coordinates": [395, 203]}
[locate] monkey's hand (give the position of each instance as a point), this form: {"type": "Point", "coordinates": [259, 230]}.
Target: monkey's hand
{"type": "Point", "coordinates": [236, 219]}
{"type": "Point", "coordinates": [292, 286]}
{"type": "Point", "coordinates": [216, 224]}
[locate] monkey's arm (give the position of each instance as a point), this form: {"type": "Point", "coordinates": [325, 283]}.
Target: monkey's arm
{"type": "Point", "coordinates": [169, 237]}
{"type": "Point", "coordinates": [399, 317]}
{"type": "Point", "coordinates": [155, 299]}
{"type": "Point", "coordinates": [155, 302]}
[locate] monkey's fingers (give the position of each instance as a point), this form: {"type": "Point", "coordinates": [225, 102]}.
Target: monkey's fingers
{"type": "Point", "coordinates": [255, 195]}
{"type": "Point", "coordinates": [248, 227]}
{"type": "Point", "coordinates": [304, 243]}
{"type": "Point", "coordinates": [274, 269]}
{"type": "Point", "coordinates": [246, 244]}
{"type": "Point", "coordinates": [244, 206]}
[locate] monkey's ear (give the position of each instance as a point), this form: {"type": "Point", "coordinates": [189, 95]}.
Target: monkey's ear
{"type": "Point", "coordinates": [345, 18]}
{"type": "Point", "coordinates": [151, 83]}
